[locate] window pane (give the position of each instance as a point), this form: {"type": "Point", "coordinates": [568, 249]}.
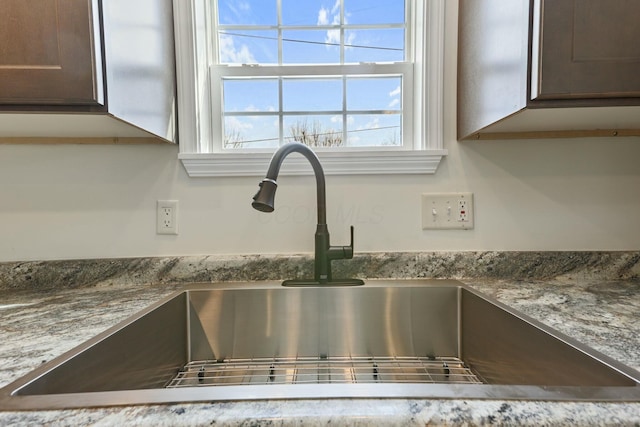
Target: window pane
{"type": "Point", "coordinates": [263, 111]}
{"type": "Point", "coordinates": [312, 95]}
{"type": "Point", "coordinates": [251, 132]}
{"type": "Point", "coordinates": [375, 11]}
{"type": "Point", "coordinates": [247, 12]}
{"type": "Point", "coordinates": [248, 47]}
{"type": "Point", "coordinates": [374, 130]}
{"type": "Point", "coordinates": [311, 47]}
{"type": "Point", "coordinates": [377, 45]}
{"type": "Point", "coordinates": [310, 12]}
{"type": "Point", "coordinates": [250, 95]}
{"type": "Point", "coordinates": [383, 93]}
{"type": "Point", "coordinates": [314, 131]}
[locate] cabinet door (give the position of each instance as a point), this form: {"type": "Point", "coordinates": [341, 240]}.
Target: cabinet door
{"type": "Point", "coordinates": [47, 53]}
{"type": "Point", "coordinates": [586, 49]}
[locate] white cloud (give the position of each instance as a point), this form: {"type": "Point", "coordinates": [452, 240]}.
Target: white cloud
{"type": "Point", "coordinates": [373, 124]}
{"type": "Point", "coordinates": [323, 16]}
{"type": "Point", "coordinates": [333, 36]}
{"type": "Point", "coordinates": [396, 101]}
{"type": "Point", "coordinates": [351, 37]}
{"type": "Point", "coordinates": [336, 8]}
{"type": "Point", "coordinates": [233, 123]}
{"type": "Point", "coordinates": [238, 11]}
{"type": "Point", "coordinates": [338, 119]}
{"type": "Point", "coordinates": [252, 109]}
{"type": "Point", "coordinates": [229, 53]}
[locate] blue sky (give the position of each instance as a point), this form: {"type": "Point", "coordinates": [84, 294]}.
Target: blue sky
{"type": "Point", "coordinates": [309, 12]}
{"type": "Point", "coordinates": [313, 45]}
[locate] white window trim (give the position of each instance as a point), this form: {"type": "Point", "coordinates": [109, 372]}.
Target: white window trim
{"type": "Point", "coordinates": [194, 107]}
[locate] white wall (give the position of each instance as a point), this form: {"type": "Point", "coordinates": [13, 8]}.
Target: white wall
{"type": "Point", "coordinates": [75, 201]}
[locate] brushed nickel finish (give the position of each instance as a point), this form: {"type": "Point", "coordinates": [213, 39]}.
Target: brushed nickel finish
{"type": "Point", "coordinates": [380, 340]}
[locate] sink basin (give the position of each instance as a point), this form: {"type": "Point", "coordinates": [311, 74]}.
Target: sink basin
{"type": "Point", "coordinates": [386, 339]}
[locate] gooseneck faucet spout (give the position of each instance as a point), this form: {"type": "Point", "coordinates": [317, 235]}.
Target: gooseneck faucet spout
{"type": "Point", "coordinates": [264, 199]}
{"type": "Point", "coordinates": [324, 252]}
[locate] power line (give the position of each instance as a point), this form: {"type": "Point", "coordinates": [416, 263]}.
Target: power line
{"type": "Point", "coordinates": [312, 42]}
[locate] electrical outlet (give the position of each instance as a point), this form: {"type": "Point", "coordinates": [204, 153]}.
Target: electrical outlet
{"type": "Point", "coordinates": [167, 217]}
{"type": "Point", "coordinates": [453, 211]}
{"type": "Point", "coordinates": [463, 213]}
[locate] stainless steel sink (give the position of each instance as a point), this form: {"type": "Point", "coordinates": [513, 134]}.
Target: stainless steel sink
{"type": "Point", "coordinates": [406, 339]}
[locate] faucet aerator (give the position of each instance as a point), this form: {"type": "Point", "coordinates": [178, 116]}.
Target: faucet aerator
{"type": "Point", "coordinates": [265, 197]}
{"type": "Point", "coordinates": [262, 207]}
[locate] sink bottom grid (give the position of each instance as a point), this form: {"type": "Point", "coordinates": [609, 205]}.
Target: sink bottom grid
{"type": "Point", "coordinates": [322, 370]}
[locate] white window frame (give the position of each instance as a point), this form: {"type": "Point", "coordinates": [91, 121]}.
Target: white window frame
{"type": "Point", "coordinates": [196, 106]}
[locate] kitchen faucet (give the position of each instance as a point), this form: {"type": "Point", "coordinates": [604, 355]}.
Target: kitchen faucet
{"type": "Point", "coordinates": [324, 252]}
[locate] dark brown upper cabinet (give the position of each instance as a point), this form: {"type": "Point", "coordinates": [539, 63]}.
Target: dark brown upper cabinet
{"type": "Point", "coordinates": [554, 68]}
{"type": "Point", "coordinates": [88, 70]}
{"type": "Point", "coordinates": [48, 53]}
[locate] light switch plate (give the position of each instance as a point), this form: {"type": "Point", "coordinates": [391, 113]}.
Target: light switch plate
{"type": "Point", "coordinates": [447, 211]}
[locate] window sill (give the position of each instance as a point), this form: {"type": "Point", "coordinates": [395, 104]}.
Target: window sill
{"type": "Point", "coordinates": [334, 163]}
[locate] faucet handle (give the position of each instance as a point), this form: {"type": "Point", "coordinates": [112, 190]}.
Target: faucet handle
{"type": "Point", "coordinates": [341, 252]}
{"type": "Point", "coordinates": [348, 250]}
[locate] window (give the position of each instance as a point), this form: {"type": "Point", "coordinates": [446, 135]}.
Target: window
{"type": "Point", "coordinates": [339, 75]}
{"type": "Point", "coordinates": [312, 72]}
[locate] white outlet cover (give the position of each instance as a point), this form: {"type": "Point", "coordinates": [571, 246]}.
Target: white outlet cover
{"type": "Point", "coordinates": [442, 211]}
{"type": "Point", "coordinates": [167, 217]}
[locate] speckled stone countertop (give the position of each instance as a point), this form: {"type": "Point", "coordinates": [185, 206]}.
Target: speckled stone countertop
{"type": "Point", "coordinates": [598, 304]}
